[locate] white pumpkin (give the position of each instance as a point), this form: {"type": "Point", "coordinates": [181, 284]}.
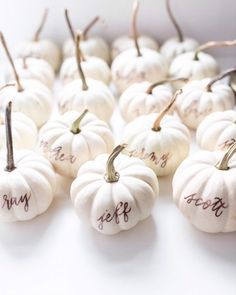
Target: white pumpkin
{"type": "Point", "coordinates": [93, 67]}
{"type": "Point", "coordinates": [144, 98]}
{"type": "Point", "coordinates": [88, 94]}
{"type": "Point", "coordinates": [34, 100]}
{"type": "Point", "coordinates": [160, 140]}
{"type": "Point", "coordinates": [90, 46]}
{"type": "Point", "coordinates": [40, 48]}
{"type": "Point", "coordinates": [185, 65]}
{"type": "Point", "coordinates": [204, 189]}
{"type": "Point", "coordinates": [197, 101]}
{"type": "Point", "coordinates": [72, 139]}
{"type": "Point", "coordinates": [177, 45]}
{"type": "Point", "coordinates": [173, 47]}
{"type": "Point", "coordinates": [217, 131]}
{"type": "Point", "coordinates": [27, 182]}
{"type": "Point", "coordinates": [24, 132]}
{"type": "Point", "coordinates": [129, 68]}
{"type": "Point", "coordinates": [32, 68]}
{"type": "Point", "coordinates": [123, 43]}
{"type": "Point", "coordinates": [112, 199]}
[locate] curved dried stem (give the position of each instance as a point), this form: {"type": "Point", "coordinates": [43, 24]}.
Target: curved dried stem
{"type": "Point", "coordinates": [219, 77]}
{"type": "Point", "coordinates": [174, 22]}
{"type": "Point", "coordinates": [134, 27]}
{"type": "Point", "coordinates": [111, 174]}
{"type": "Point", "coordinates": [223, 164]}
{"type": "Point", "coordinates": [9, 57]}
{"type": "Point", "coordinates": [213, 44]}
{"type": "Point", "coordinates": [41, 26]}
{"type": "Point", "coordinates": [10, 156]}
{"type": "Point", "coordinates": [69, 25]}
{"type": "Point", "coordinates": [170, 80]}
{"type": "Point", "coordinates": [75, 129]}
{"type": "Point", "coordinates": [79, 59]}
{"type": "Point", "coordinates": [89, 26]}
{"type": "Point", "coordinates": [161, 115]}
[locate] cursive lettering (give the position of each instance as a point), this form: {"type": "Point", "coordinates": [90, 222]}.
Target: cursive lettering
{"type": "Point", "coordinates": [56, 153]}
{"type": "Point", "coordinates": [216, 205]}
{"type": "Point", "coordinates": [122, 209]}
{"type": "Point", "coordinates": [157, 160]}
{"type": "Point", "coordinates": [9, 202]}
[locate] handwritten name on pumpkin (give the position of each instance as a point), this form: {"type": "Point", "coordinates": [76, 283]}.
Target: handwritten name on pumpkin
{"type": "Point", "coordinates": [193, 109]}
{"type": "Point", "coordinates": [122, 210]}
{"type": "Point", "coordinates": [57, 153]}
{"type": "Point", "coordinates": [226, 144]}
{"type": "Point", "coordinates": [9, 202]}
{"type": "Point", "coordinates": [132, 76]}
{"type": "Point", "coordinates": [157, 160]}
{"type": "Point", "coordinates": [216, 205]}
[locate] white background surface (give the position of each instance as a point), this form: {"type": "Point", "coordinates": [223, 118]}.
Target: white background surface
{"type": "Point", "coordinates": [56, 255]}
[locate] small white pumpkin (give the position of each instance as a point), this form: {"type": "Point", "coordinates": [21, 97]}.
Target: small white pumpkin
{"type": "Point", "coordinates": [93, 67]}
{"type": "Point", "coordinates": [112, 201]}
{"type": "Point", "coordinates": [88, 94]}
{"type": "Point", "coordinates": [177, 45]}
{"type": "Point", "coordinates": [204, 189]}
{"type": "Point", "coordinates": [41, 48]}
{"type": "Point", "coordinates": [137, 64]}
{"type": "Point", "coordinates": [90, 46]}
{"type": "Point", "coordinates": [32, 68]}
{"type": "Point", "coordinates": [123, 43]}
{"type": "Point", "coordinates": [24, 132]}
{"type": "Point", "coordinates": [30, 97]}
{"type": "Point", "coordinates": [72, 139]}
{"type": "Point", "coordinates": [200, 98]}
{"type": "Point", "coordinates": [144, 98]}
{"type": "Point", "coordinates": [27, 181]}
{"type": "Point", "coordinates": [217, 131]}
{"type": "Point", "coordinates": [160, 140]}
{"type": "Point", "coordinates": [197, 65]}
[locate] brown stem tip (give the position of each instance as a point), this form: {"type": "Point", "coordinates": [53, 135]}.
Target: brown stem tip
{"type": "Point", "coordinates": [174, 22]}
{"type": "Point", "coordinates": [79, 59]}
{"type": "Point", "coordinates": [41, 26]}
{"type": "Point", "coordinates": [223, 164]}
{"type": "Point", "coordinates": [134, 27]}
{"type": "Point", "coordinates": [219, 77]}
{"type": "Point", "coordinates": [10, 156]}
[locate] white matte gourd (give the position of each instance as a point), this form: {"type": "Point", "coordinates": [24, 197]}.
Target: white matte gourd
{"type": "Point", "coordinates": [204, 189]}
{"type": "Point", "coordinates": [91, 46]}
{"type": "Point", "coordinates": [144, 98]}
{"type": "Point", "coordinates": [217, 131]}
{"type": "Point", "coordinates": [98, 98]}
{"type": "Point", "coordinates": [34, 100]}
{"type": "Point", "coordinates": [114, 198]}
{"type": "Point", "coordinates": [32, 68]}
{"type": "Point", "coordinates": [27, 180]}
{"type": "Point", "coordinates": [184, 65]}
{"type": "Point", "coordinates": [160, 140]}
{"type": "Point", "coordinates": [197, 101]}
{"type": "Point", "coordinates": [24, 132]}
{"type": "Point", "coordinates": [173, 47]}
{"type": "Point", "coordinates": [129, 68]}
{"type": "Point", "coordinates": [93, 67]}
{"type": "Point", "coordinates": [72, 139]}
{"type": "Point", "coordinates": [123, 43]}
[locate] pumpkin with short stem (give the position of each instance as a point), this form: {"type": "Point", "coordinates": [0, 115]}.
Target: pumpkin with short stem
{"type": "Point", "coordinates": [114, 192]}
{"type": "Point", "coordinates": [204, 189]}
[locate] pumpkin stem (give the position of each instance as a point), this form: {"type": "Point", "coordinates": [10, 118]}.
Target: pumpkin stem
{"type": "Point", "coordinates": [9, 57]}
{"type": "Point", "coordinates": [10, 156]}
{"type": "Point", "coordinates": [79, 59]}
{"type": "Point", "coordinates": [219, 77]}
{"type": "Point", "coordinates": [213, 44]}
{"type": "Point", "coordinates": [69, 25]}
{"type": "Point", "coordinates": [41, 26]}
{"type": "Point", "coordinates": [153, 85]}
{"type": "Point", "coordinates": [75, 128]}
{"type": "Point", "coordinates": [134, 27]}
{"type": "Point", "coordinates": [174, 22]}
{"type": "Point", "coordinates": [223, 163]}
{"type": "Point", "coordinates": [89, 27]}
{"type": "Point", "coordinates": [111, 174]}
{"type": "Point", "coordinates": [157, 124]}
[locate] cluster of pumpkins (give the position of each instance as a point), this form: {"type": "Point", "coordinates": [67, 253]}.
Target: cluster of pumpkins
{"type": "Point", "coordinates": [162, 94]}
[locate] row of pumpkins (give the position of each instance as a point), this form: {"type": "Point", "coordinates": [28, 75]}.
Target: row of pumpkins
{"type": "Point", "coordinates": [115, 188]}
